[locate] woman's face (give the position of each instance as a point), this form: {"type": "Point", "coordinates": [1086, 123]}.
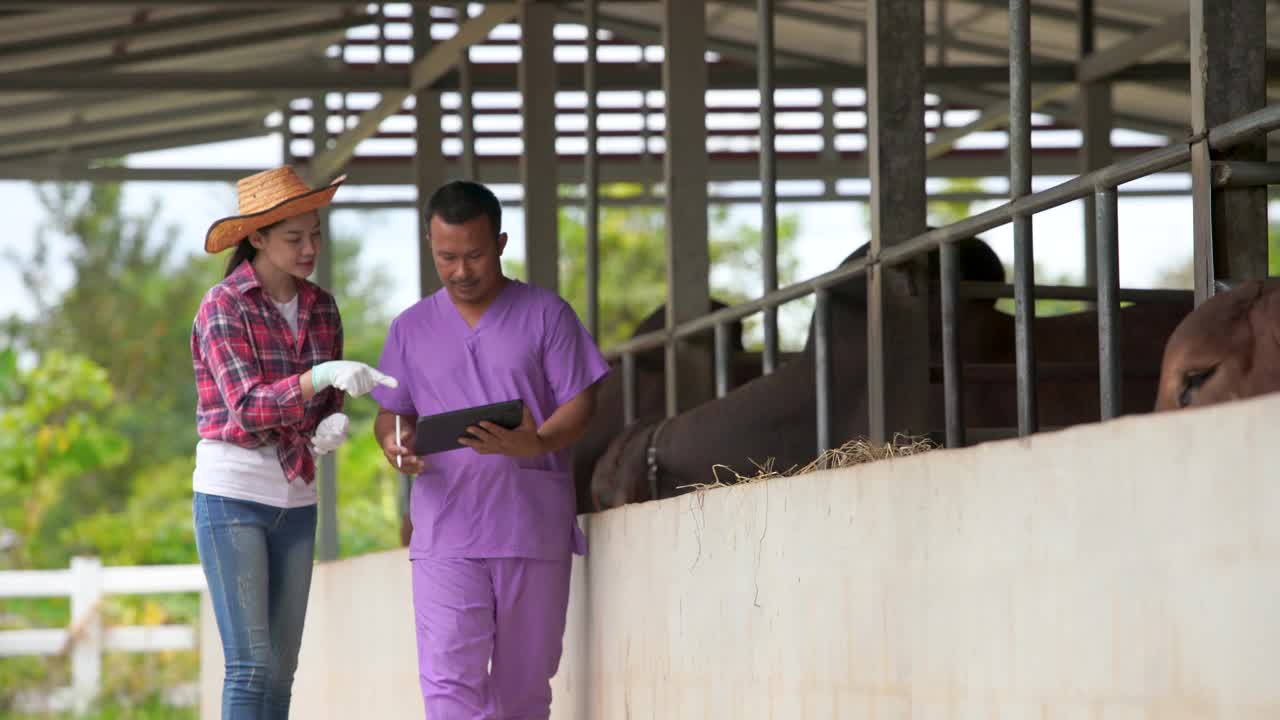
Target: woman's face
{"type": "Point", "coordinates": [292, 245]}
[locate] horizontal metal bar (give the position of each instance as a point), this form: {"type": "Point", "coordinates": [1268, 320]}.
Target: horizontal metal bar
{"type": "Point", "coordinates": [1244, 173]}
{"type": "Point", "coordinates": [394, 76]}
{"type": "Point", "coordinates": [1071, 292]}
{"type": "Point", "coordinates": [993, 373]}
{"type": "Point", "coordinates": [1221, 137]}
{"type": "Point", "coordinates": [208, 80]}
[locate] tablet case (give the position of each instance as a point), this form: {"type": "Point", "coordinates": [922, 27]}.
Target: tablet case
{"type": "Point", "coordinates": [440, 432]}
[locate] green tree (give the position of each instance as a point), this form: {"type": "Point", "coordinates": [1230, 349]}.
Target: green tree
{"type": "Point", "coordinates": [55, 439]}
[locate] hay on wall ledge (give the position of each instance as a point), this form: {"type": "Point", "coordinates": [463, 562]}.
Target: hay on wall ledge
{"type": "Point", "coordinates": [853, 452]}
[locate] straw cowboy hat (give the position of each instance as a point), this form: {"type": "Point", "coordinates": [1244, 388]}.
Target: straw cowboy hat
{"type": "Point", "coordinates": [267, 198]}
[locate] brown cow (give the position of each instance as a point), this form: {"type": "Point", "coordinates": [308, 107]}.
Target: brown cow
{"type": "Point", "coordinates": [773, 416]}
{"type": "Point", "coordinates": [1227, 349]}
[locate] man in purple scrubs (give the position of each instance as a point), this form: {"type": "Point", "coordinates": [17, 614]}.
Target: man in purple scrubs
{"type": "Point", "coordinates": [493, 524]}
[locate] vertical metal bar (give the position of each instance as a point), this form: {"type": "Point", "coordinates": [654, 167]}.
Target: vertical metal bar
{"type": "Point", "coordinates": [326, 465]}
{"type": "Point", "coordinates": [1020, 184]}
{"type": "Point", "coordinates": [466, 109]}
{"type": "Point", "coordinates": [822, 366]}
{"type": "Point", "coordinates": [768, 178]}
{"type": "Point", "coordinates": [1087, 26]}
{"type": "Point", "coordinates": [428, 156]}
{"type": "Point", "coordinates": [829, 152]}
{"type": "Point", "coordinates": [722, 359]}
{"type": "Point", "coordinates": [952, 370]}
{"type": "Point", "coordinates": [1110, 375]}
{"type": "Point", "coordinates": [1228, 79]}
{"type": "Point", "coordinates": [685, 176]}
{"type": "Point", "coordinates": [591, 178]}
{"type": "Point", "coordinates": [628, 388]}
{"type": "Point", "coordinates": [382, 35]}
{"type": "Point", "coordinates": [286, 135]}
{"type": "Point", "coordinates": [539, 162]}
{"type": "Point", "coordinates": [942, 34]}
{"type": "Point", "coordinates": [1095, 123]}
{"type": "Point", "coordinates": [897, 298]}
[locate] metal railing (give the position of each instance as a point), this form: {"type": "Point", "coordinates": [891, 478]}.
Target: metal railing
{"type": "Point", "coordinates": [1102, 184]}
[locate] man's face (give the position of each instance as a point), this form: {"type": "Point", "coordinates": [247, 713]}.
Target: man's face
{"type": "Point", "coordinates": [468, 258]}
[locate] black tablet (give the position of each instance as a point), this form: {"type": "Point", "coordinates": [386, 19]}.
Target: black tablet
{"type": "Point", "coordinates": [440, 433]}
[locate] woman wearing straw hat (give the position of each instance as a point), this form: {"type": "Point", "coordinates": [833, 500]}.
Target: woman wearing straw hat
{"type": "Point", "coordinates": [266, 345]}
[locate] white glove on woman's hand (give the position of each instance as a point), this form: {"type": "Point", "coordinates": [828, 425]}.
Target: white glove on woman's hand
{"type": "Point", "coordinates": [353, 378]}
{"type": "Point", "coordinates": [330, 433]}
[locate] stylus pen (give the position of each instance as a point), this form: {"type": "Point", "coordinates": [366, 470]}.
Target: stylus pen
{"type": "Point", "coordinates": [398, 439]}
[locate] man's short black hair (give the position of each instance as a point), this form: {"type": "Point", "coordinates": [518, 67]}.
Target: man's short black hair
{"type": "Point", "coordinates": [462, 200]}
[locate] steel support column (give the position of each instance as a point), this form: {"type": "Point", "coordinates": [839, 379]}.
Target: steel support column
{"type": "Point", "coordinates": [1019, 185]}
{"type": "Point", "coordinates": [897, 297]}
{"type": "Point", "coordinates": [538, 160]}
{"type": "Point", "coordinates": [684, 82]}
{"type": "Point", "coordinates": [1228, 79]}
{"type": "Point", "coordinates": [1110, 362]}
{"type": "Point", "coordinates": [952, 369]}
{"type": "Point", "coordinates": [428, 157]}
{"type": "Point", "coordinates": [591, 170]}
{"type": "Point", "coordinates": [1095, 124]}
{"type": "Point", "coordinates": [768, 180]}
{"type": "Point", "coordinates": [326, 465]}
{"type": "Point", "coordinates": [466, 110]}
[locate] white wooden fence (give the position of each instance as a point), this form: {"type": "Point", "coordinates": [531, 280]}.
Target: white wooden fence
{"type": "Point", "coordinates": [87, 582]}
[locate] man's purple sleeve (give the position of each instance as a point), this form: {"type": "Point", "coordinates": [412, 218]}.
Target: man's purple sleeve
{"type": "Point", "coordinates": [570, 357]}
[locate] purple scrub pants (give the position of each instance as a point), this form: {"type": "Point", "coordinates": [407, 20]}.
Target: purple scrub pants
{"type": "Point", "coordinates": [471, 611]}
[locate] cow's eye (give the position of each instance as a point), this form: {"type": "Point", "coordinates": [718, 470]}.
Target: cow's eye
{"type": "Point", "coordinates": [1192, 381]}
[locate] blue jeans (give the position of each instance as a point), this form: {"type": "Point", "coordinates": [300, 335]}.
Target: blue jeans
{"type": "Point", "coordinates": [258, 560]}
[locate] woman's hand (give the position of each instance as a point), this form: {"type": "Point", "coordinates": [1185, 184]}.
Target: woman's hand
{"type": "Point", "coordinates": [349, 376]}
{"type": "Point", "coordinates": [329, 434]}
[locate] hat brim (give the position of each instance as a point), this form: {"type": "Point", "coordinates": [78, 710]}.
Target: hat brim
{"type": "Point", "coordinates": [229, 231]}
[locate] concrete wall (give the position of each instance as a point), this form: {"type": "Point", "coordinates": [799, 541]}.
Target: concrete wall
{"type": "Point", "coordinates": [1117, 572]}
{"type": "Point", "coordinates": [358, 656]}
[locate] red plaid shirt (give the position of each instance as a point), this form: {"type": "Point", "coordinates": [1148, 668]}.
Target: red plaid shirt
{"type": "Point", "coordinates": [247, 364]}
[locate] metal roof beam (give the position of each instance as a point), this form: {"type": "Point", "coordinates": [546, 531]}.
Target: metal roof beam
{"type": "Point", "coordinates": [300, 80]}
{"type": "Point", "coordinates": [130, 31]}
{"type": "Point", "coordinates": [422, 73]}
{"type": "Point", "coordinates": [145, 143]}
{"type": "Point", "coordinates": [506, 170]}
{"type": "Point", "coordinates": [220, 43]}
{"type": "Point", "coordinates": [1104, 64]}
{"type": "Point", "coordinates": [643, 32]}
{"type": "Point", "coordinates": [1092, 68]}
{"type": "Point", "coordinates": [1063, 15]}
{"type": "Point", "coordinates": [502, 78]}
{"type": "Point", "coordinates": [239, 110]}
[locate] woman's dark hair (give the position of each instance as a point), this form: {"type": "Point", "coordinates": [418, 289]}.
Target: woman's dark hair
{"type": "Point", "coordinates": [462, 200]}
{"type": "Point", "coordinates": [245, 251]}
